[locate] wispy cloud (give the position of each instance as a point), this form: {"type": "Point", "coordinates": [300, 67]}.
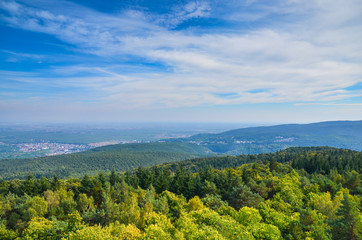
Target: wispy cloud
{"type": "Point", "coordinates": [19, 57]}
{"type": "Point", "coordinates": [185, 12]}
{"type": "Point", "coordinates": [313, 57]}
{"type": "Point", "coordinates": [330, 104]}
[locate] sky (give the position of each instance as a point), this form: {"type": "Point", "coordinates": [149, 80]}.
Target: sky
{"type": "Point", "coordinates": [287, 61]}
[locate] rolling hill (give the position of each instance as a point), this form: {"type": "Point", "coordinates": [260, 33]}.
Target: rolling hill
{"type": "Point", "coordinates": [120, 157]}
{"type": "Point", "coordinates": [254, 140]}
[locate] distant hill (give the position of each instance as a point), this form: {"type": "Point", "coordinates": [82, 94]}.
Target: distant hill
{"type": "Point", "coordinates": [254, 140]}
{"type": "Point", "coordinates": [120, 157]}
{"type": "Point", "coordinates": [311, 159]}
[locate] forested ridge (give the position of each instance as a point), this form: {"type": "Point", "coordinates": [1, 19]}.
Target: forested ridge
{"type": "Point", "coordinates": [312, 159]}
{"type": "Point", "coordinates": [254, 140]}
{"type": "Point", "coordinates": [298, 193]}
{"type": "Point", "coordinates": [120, 157]}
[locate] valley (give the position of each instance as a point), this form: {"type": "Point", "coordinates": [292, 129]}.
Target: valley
{"type": "Point", "coordinates": [146, 151]}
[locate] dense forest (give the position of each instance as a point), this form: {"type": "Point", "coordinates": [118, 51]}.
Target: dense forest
{"type": "Point", "coordinates": [120, 157]}
{"type": "Point", "coordinates": [298, 193]}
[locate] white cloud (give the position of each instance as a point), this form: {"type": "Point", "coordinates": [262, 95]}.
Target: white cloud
{"type": "Point", "coordinates": [313, 58]}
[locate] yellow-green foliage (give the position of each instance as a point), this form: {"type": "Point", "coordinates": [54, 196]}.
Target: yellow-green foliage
{"type": "Point", "coordinates": [92, 233]}
{"type": "Point", "coordinates": [251, 218]}
{"type": "Point", "coordinates": [39, 228]}
{"type": "Point", "coordinates": [36, 207]}
{"type": "Point", "coordinates": [194, 204]}
{"type": "Point", "coordinates": [324, 203]}
{"type": "Point", "coordinates": [278, 218]}
{"type": "Point", "coordinates": [209, 204]}
{"type": "Point", "coordinates": [85, 203]}
{"type": "Point", "coordinates": [289, 189]}
{"type": "Point", "coordinates": [227, 226]}
{"type": "Point", "coordinates": [112, 232]}
{"type": "Point", "coordinates": [248, 216]}
{"type": "Point", "coordinates": [6, 234]}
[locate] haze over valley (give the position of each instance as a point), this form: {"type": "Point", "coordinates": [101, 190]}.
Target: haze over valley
{"type": "Point", "coordinates": [35, 140]}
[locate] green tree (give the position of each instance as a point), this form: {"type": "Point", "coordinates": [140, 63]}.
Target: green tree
{"type": "Point", "coordinates": [348, 224]}
{"type": "Point", "coordinates": [6, 234]}
{"type": "Point", "coordinates": [53, 201]}
{"type": "Point", "coordinates": [35, 207]}
{"type": "Point", "coordinates": [243, 196]}
{"type": "Point", "coordinates": [85, 203]}
{"type": "Point", "coordinates": [39, 228]}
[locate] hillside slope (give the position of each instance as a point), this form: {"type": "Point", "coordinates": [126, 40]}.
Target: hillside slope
{"type": "Point", "coordinates": [119, 157]}
{"type": "Point", "coordinates": [254, 140]}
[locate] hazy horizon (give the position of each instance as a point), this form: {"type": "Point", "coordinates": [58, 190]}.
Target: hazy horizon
{"type": "Point", "coordinates": [155, 124]}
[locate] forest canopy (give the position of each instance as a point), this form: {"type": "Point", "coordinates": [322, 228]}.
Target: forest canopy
{"type": "Point", "coordinates": [299, 193]}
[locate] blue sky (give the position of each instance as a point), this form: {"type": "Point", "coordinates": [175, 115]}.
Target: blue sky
{"type": "Point", "coordinates": [194, 61]}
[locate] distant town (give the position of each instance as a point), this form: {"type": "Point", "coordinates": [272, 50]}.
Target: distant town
{"type": "Point", "coordinates": [40, 149]}
{"type": "Point", "coordinates": [50, 149]}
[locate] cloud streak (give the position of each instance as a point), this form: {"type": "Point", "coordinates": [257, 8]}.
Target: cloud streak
{"type": "Point", "coordinates": [147, 62]}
